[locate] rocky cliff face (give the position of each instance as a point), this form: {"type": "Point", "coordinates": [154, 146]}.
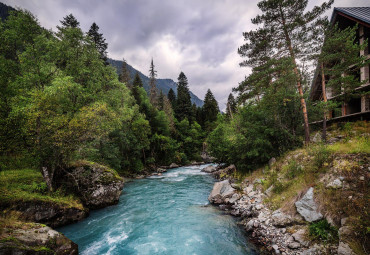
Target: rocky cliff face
{"type": "Point", "coordinates": [51, 214]}
{"type": "Point", "coordinates": [96, 185]}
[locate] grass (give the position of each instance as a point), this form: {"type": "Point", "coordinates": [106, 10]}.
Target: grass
{"type": "Point", "coordinates": [352, 146]}
{"type": "Point", "coordinates": [24, 185]}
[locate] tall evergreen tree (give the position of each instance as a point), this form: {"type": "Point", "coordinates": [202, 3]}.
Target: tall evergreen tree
{"type": "Point", "coordinates": [152, 84]}
{"type": "Point", "coordinates": [137, 83]}
{"type": "Point", "coordinates": [161, 99]}
{"type": "Point", "coordinates": [230, 106]}
{"type": "Point", "coordinates": [288, 32]}
{"type": "Point", "coordinates": [99, 41]}
{"type": "Point", "coordinates": [124, 76]}
{"type": "Point", "coordinates": [210, 107]}
{"type": "Point", "coordinates": [172, 98]}
{"type": "Point", "coordinates": [183, 103]}
{"type": "Point", "coordinates": [69, 21]}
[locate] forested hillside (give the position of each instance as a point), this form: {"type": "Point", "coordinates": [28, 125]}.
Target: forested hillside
{"type": "Point", "coordinates": [162, 84]}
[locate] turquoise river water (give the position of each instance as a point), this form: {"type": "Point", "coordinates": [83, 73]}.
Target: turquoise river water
{"type": "Point", "coordinates": [168, 214]}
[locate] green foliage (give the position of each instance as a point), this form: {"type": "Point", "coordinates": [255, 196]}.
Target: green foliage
{"type": "Point", "coordinates": [320, 154]}
{"type": "Point", "coordinates": [323, 231]}
{"type": "Point", "coordinates": [183, 103]}
{"type": "Point", "coordinates": [293, 169]}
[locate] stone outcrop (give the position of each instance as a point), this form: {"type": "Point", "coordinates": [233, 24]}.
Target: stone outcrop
{"type": "Point", "coordinates": [35, 238]}
{"type": "Point", "coordinates": [220, 192]}
{"type": "Point", "coordinates": [51, 214]}
{"type": "Point", "coordinates": [307, 208]}
{"type": "Point", "coordinates": [96, 185]}
{"type": "Point", "coordinates": [223, 173]}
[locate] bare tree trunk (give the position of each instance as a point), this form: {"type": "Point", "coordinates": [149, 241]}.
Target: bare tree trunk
{"type": "Point", "coordinates": [48, 177]}
{"type": "Point", "coordinates": [325, 100]}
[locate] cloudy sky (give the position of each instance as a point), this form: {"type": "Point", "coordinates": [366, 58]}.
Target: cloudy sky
{"type": "Point", "coordinates": [198, 37]}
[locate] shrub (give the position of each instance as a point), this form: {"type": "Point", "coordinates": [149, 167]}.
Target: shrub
{"type": "Point", "coordinates": [322, 230]}
{"type": "Point", "coordinates": [321, 155]}
{"type": "Point", "coordinates": [293, 170]}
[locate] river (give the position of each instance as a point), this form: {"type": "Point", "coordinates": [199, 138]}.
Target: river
{"type": "Point", "coordinates": [167, 214]}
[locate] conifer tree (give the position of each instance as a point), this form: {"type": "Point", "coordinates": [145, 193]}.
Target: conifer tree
{"type": "Point", "coordinates": [183, 103]}
{"type": "Point", "coordinates": [69, 21]}
{"type": "Point", "coordinates": [137, 83]}
{"type": "Point", "coordinates": [124, 76]}
{"type": "Point", "coordinates": [161, 99]}
{"type": "Point", "coordinates": [172, 98]}
{"type": "Point", "coordinates": [287, 31]}
{"type": "Point", "coordinates": [210, 107]}
{"type": "Point", "coordinates": [99, 41]}
{"type": "Point", "coordinates": [230, 106]}
{"type": "Point", "coordinates": [152, 84]}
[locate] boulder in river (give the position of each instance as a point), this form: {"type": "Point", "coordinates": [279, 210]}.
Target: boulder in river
{"type": "Point", "coordinates": [307, 208]}
{"type": "Point", "coordinates": [173, 165]}
{"type": "Point", "coordinates": [221, 191]}
{"type": "Point", "coordinates": [97, 185]}
{"type": "Point", "coordinates": [209, 169]}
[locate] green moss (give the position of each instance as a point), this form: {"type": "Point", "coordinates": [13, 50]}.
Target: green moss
{"type": "Point", "coordinates": [24, 185]}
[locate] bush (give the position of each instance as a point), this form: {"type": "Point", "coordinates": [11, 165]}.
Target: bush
{"type": "Point", "coordinates": [293, 170]}
{"type": "Point", "coordinates": [321, 155]}
{"type": "Point", "coordinates": [323, 231]}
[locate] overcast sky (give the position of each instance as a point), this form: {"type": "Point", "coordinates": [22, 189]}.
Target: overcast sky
{"type": "Point", "coordinates": [198, 37]}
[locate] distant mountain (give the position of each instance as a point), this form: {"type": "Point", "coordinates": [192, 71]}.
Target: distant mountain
{"type": "Point", "coordinates": [4, 11]}
{"type": "Point", "coordinates": [162, 84]}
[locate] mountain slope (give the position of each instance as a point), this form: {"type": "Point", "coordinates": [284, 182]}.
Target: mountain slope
{"type": "Point", "coordinates": [162, 84]}
{"type": "Point", "coordinates": [4, 11]}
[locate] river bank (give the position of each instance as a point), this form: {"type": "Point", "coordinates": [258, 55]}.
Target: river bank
{"type": "Point", "coordinates": [310, 201]}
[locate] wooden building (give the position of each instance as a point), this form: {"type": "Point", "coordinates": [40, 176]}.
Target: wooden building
{"type": "Point", "coordinates": [356, 108]}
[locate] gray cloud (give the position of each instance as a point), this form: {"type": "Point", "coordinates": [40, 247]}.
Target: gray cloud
{"type": "Point", "coordinates": [199, 38]}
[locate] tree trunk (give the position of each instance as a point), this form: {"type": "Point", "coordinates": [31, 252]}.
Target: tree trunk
{"type": "Point", "coordinates": [48, 177]}
{"type": "Point", "coordinates": [323, 87]}
{"type": "Point", "coordinates": [298, 76]}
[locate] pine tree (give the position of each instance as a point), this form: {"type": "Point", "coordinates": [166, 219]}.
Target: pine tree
{"type": "Point", "coordinates": [183, 103]}
{"type": "Point", "coordinates": [230, 106]}
{"type": "Point", "coordinates": [287, 32]}
{"type": "Point", "coordinates": [172, 98]}
{"type": "Point", "coordinates": [99, 41]}
{"type": "Point", "coordinates": [161, 99]}
{"type": "Point", "coordinates": [124, 76]}
{"type": "Point", "coordinates": [210, 107]}
{"type": "Point", "coordinates": [69, 21]}
{"type": "Point", "coordinates": [152, 84]}
{"type": "Point", "coordinates": [137, 83]}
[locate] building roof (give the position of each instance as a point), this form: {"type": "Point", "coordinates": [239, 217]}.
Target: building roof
{"type": "Point", "coordinates": [358, 13]}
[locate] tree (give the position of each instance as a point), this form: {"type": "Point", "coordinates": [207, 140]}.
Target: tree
{"type": "Point", "coordinates": [152, 84]}
{"type": "Point", "coordinates": [124, 76]}
{"type": "Point", "coordinates": [230, 106]}
{"type": "Point", "coordinates": [183, 103]}
{"type": "Point", "coordinates": [287, 31]}
{"type": "Point", "coordinates": [69, 21]}
{"type": "Point", "coordinates": [210, 109]}
{"type": "Point", "coordinates": [99, 41]}
{"type": "Point", "coordinates": [172, 98]}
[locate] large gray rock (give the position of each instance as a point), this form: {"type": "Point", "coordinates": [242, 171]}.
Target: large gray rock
{"type": "Point", "coordinates": [301, 237]}
{"type": "Point", "coordinates": [173, 165]}
{"type": "Point", "coordinates": [307, 208]}
{"type": "Point", "coordinates": [221, 191]}
{"type": "Point", "coordinates": [35, 238]}
{"type": "Point", "coordinates": [97, 186]}
{"type": "Point", "coordinates": [209, 169]}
